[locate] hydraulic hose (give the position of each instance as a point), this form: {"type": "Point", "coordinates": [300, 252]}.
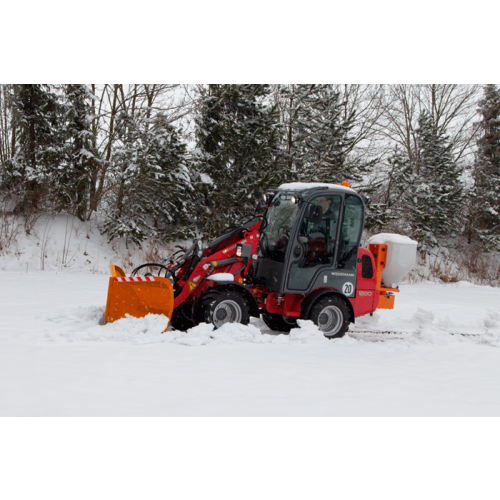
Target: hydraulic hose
{"type": "Point", "coordinates": [245, 262]}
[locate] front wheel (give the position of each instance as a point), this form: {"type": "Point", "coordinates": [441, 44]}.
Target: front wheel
{"type": "Point", "coordinates": [279, 323]}
{"type": "Point", "coordinates": [180, 319]}
{"type": "Point", "coordinates": [331, 316]}
{"type": "Point", "coordinates": [224, 306]}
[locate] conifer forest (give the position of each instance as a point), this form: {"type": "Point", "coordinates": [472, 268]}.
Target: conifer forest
{"type": "Point", "coordinates": [168, 161]}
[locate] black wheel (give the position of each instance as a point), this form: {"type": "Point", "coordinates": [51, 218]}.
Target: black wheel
{"type": "Point", "coordinates": [180, 321]}
{"type": "Point", "coordinates": [223, 306]}
{"type": "Point", "coordinates": [331, 316]}
{"type": "Point", "coordinates": [279, 323]}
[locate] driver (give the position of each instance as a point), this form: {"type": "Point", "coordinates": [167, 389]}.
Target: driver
{"type": "Point", "coordinates": [328, 214]}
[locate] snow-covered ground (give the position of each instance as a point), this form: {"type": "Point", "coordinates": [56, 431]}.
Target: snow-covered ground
{"type": "Point", "coordinates": [437, 353]}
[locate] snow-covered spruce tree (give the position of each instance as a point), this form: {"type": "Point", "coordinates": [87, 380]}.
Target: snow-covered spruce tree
{"type": "Point", "coordinates": [324, 136]}
{"type": "Point", "coordinates": [391, 200]}
{"type": "Point", "coordinates": [38, 148]}
{"type": "Point", "coordinates": [293, 117]}
{"type": "Point", "coordinates": [7, 138]}
{"type": "Point", "coordinates": [400, 191]}
{"type": "Point", "coordinates": [152, 189]}
{"type": "Point", "coordinates": [316, 137]}
{"type": "Point", "coordinates": [435, 196]}
{"type": "Point", "coordinates": [167, 185]}
{"type": "Point", "coordinates": [484, 224]}
{"type": "Point", "coordinates": [237, 138]}
{"type": "Point", "coordinates": [80, 153]}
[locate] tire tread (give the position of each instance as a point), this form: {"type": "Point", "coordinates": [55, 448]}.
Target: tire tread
{"type": "Point", "coordinates": [331, 300]}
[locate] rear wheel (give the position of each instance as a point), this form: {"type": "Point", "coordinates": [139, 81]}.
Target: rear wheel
{"type": "Point", "coordinates": [331, 316]}
{"type": "Point", "coordinates": [279, 323]}
{"type": "Point", "coordinates": [224, 306]}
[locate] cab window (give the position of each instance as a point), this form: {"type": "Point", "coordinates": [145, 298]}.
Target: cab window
{"type": "Point", "coordinates": [280, 217]}
{"type": "Point", "coordinates": [350, 233]}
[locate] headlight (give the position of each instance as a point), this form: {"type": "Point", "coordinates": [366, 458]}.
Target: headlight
{"type": "Point", "coordinates": [268, 198]}
{"type": "Point", "coordinates": [243, 251]}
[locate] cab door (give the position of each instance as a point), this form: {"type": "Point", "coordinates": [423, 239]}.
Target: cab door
{"type": "Point", "coordinates": [315, 242]}
{"type": "Point", "coordinates": [326, 254]}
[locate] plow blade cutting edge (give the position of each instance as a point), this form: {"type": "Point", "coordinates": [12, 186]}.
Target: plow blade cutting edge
{"type": "Point", "coordinates": [138, 297]}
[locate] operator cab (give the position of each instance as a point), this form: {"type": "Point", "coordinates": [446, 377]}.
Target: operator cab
{"type": "Point", "coordinates": [311, 239]}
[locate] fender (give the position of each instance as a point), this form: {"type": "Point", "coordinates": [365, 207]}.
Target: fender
{"type": "Point", "coordinates": [309, 301]}
{"type": "Point", "coordinates": [252, 302]}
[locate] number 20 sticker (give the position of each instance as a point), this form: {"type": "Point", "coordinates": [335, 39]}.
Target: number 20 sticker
{"type": "Point", "coordinates": [348, 289]}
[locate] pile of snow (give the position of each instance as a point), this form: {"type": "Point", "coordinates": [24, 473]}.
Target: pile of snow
{"type": "Point", "coordinates": [86, 324]}
{"type": "Point", "coordinates": [204, 334]}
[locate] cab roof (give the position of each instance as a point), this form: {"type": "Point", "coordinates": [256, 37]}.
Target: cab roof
{"type": "Point", "coordinates": [305, 186]}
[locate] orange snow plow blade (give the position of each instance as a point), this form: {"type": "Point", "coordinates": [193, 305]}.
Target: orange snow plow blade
{"type": "Point", "coordinates": [138, 296]}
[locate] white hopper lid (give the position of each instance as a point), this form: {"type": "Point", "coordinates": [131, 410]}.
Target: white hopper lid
{"type": "Point", "coordinates": [400, 259]}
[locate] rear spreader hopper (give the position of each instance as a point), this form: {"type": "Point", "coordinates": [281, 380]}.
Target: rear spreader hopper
{"type": "Point", "coordinates": [300, 259]}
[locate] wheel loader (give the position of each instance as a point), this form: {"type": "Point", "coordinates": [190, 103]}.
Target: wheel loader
{"type": "Point", "coordinates": [300, 258]}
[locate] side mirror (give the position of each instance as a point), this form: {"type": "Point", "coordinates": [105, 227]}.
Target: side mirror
{"type": "Point", "coordinates": [315, 214]}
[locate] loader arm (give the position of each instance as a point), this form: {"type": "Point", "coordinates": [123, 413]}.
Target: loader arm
{"type": "Point", "coordinates": [138, 296]}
